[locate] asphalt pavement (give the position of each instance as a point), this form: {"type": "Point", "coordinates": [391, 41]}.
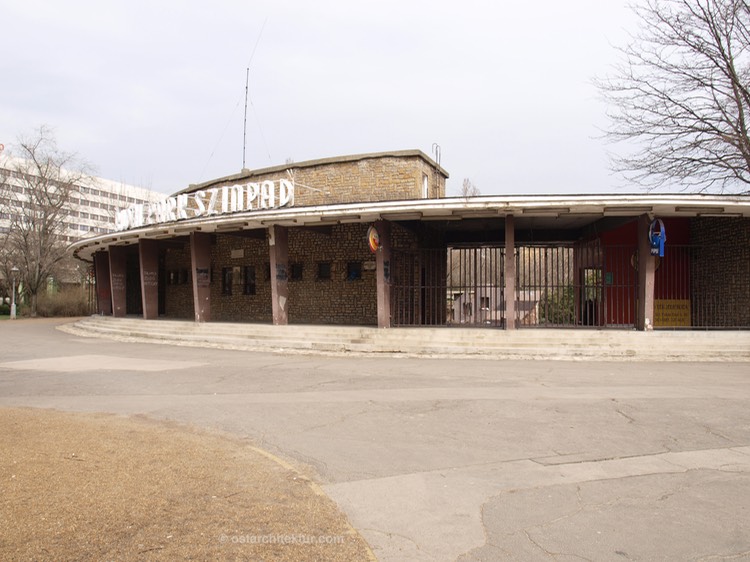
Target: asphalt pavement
{"type": "Point", "coordinates": [448, 459]}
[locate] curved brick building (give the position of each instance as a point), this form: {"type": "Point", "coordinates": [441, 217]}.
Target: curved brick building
{"type": "Point", "coordinates": [372, 240]}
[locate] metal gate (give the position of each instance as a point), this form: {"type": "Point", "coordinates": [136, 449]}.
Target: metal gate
{"type": "Point", "coordinates": [453, 286]}
{"type": "Point", "coordinates": [475, 287]}
{"type": "Point", "coordinates": [545, 286]}
{"type": "Point", "coordinates": [692, 289]}
{"type": "Point", "coordinates": [557, 285]}
{"type": "Point", "coordinates": [572, 285]}
{"type": "Point", "coordinates": [620, 286]}
{"type": "Point", "coordinates": [585, 284]}
{"type": "Point", "coordinates": [418, 283]}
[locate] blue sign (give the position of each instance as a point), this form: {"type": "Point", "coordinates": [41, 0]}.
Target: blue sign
{"type": "Point", "coordinates": [657, 237]}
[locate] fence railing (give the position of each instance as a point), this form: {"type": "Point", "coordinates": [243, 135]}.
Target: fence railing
{"type": "Point", "coordinates": [564, 285]}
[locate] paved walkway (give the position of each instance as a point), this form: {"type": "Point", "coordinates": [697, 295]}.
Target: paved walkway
{"type": "Point", "coordinates": [445, 460]}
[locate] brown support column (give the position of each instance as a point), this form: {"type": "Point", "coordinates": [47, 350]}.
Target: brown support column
{"type": "Point", "coordinates": [383, 264]}
{"type": "Point", "coordinates": [148, 252]}
{"type": "Point", "coordinates": [646, 273]}
{"type": "Point", "coordinates": [200, 258]}
{"type": "Point", "coordinates": [118, 279]}
{"type": "Point", "coordinates": [103, 286]}
{"type": "Point", "coordinates": [509, 274]}
{"type": "Point", "coordinates": [278, 244]}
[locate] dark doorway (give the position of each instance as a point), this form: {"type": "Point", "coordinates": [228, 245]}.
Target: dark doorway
{"type": "Point", "coordinates": [133, 299]}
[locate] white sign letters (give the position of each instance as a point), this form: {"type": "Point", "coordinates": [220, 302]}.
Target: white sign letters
{"type": "Point", "coordinates": [207, 202]}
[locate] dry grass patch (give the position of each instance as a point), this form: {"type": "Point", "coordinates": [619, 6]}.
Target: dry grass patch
{"type": "Point", "coordinates": [79, 486]}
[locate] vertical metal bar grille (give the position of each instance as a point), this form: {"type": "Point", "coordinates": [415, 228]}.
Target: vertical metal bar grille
{"type": "Point", "coordinates": [565, 285]}
{"type": "Point", "coordinates": [620, 285]}
{"type": "Point", "coordinates": [453, 286]}
{"type": "Point", "coordinates": [475, 286]}
{"type": "Point", "coordinates": [546, 286]}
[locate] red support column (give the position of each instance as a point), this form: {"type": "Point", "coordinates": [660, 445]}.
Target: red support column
{"type": "Point", "coordinates": [148, 252]}
{"type": "Point", "coordinates": [509, 274]}
{"type": "Point", "coordinates": [103, 287]}
{"type": "Point", "coordinates": [118, 280]}
{"type": "Point", "coordinates": [646, 276]}
{"type": "Point", "coordinates": [383, 264]}
{"type": "Point", "coordinates": [278, 243]}
{"type": "Point", "coordinates": [200, 257]}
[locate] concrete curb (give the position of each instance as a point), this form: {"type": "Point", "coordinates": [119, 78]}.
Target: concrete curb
{"type": "Point", "coordinates": [430, 343]}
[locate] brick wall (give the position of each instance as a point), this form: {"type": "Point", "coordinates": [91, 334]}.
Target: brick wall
{"type": "Point", "coordinates": [237, 253]}
{"type": "Point", "coordinates": [720, 272]}
{"type": "Point", "coordinates": [353, 179]}
{"type": "Point", "coordinates": [336, 299]}
{"type": "Point", "coordinates": [339, 299]}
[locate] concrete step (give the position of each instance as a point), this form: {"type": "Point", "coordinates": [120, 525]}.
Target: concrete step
{"type": "Point", "coordinates": [440, 342]}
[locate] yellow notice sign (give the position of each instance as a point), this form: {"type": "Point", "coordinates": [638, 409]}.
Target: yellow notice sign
{"type": "Point", "coordinates": [671, 313]}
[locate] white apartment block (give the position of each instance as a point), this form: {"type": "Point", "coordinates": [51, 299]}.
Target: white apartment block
{"type": "Point", "coordinates": [92, 208]}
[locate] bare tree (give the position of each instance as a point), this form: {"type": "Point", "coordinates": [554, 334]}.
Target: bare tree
{"type": "Point", "coordinates": [39, 188]}
{"type": "Point", "coordinates": [681, 92]}
{"type": "Point", "coordinates": [468, 189]}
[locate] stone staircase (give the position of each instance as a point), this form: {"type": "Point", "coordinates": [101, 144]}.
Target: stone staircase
{"type": "Point", "coordinates": [565, 344]}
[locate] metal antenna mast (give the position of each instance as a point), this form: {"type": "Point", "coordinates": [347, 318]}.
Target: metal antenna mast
{"type": "Point", "coordinates": [244, 127]}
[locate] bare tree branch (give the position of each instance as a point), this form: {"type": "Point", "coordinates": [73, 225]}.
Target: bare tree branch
{"type": "Point", "coordinates": [682, 93]}
{"type": "Point", "coordinates": [39, 190]}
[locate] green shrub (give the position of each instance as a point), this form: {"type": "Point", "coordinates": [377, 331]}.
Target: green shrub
{"type": "Point", "coordinates": [4, 309]}
{"type": "Point", "coordinates": [66, 302]}
{"type": "Point", "coordinates": [558, 306]}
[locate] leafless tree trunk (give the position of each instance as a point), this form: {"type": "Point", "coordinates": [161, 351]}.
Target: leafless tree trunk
{"type": "Point", "coordinates": [681, 92]}
{"type": "Point", "coordinates": [39, 189]}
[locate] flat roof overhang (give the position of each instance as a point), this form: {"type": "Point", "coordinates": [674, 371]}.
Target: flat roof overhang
{"type": "Point", "coordinates": [548, 212]}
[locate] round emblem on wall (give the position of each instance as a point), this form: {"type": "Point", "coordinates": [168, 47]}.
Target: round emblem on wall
{"type": "Point", "coordinates": [373, 239]}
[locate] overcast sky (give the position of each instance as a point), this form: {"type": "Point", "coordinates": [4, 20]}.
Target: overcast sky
{"type": "Point", "coordinates": [152, 93]}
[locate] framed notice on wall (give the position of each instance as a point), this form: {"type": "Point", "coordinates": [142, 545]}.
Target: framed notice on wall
{"type": "Point", "coordinates": [671, 313]}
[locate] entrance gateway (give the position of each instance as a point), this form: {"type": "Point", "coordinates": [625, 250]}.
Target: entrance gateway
{"type": "Point", "coordinates": [371, 239]}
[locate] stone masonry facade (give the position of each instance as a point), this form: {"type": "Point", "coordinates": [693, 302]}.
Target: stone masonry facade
{"type": "Point", "coordinates": [723, 245]}
{"type": "Point", "coordinates": [331, 276]}
{"type": "Point", "coordinates": [353, 179]}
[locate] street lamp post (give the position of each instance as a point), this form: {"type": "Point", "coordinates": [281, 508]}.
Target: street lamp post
{"type": "Point", "coordinates": [13, 273]}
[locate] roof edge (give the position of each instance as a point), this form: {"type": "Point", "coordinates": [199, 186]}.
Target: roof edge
{"type": "Point", "coordinates": [246, 174]}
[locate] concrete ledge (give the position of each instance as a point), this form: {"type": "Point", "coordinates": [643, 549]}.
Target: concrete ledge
{"type": "Point", "coordinates": [571, 344]}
